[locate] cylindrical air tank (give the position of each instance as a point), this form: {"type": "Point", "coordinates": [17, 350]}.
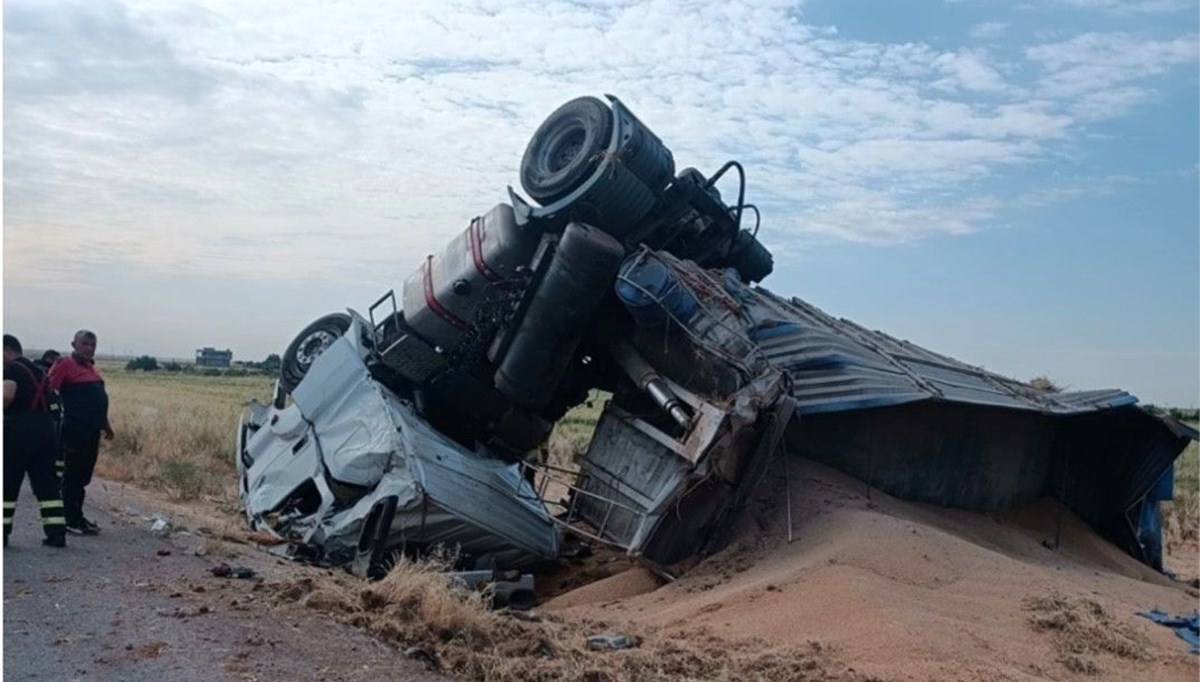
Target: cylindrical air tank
{"type": "Point", "coordinates": [580, 273]}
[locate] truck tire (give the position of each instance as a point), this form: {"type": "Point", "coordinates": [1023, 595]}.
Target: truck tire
{"type": "Point", "coordinates": [566, 149]}
{"type": "Point", "coordinates": [309, 344]}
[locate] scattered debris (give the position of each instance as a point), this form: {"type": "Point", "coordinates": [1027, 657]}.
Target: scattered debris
{"type": "Point", "coordinates": [612, 642]}
{"type": "Point", "coordinates": [1186, 628]}
{"type": "Point", "coordinates": [160, 526]}
{"type": "Point", "coordinates": [164, 552]}
{"type": "Point", "coordinates": [224, 570]}
{"type": "Point", "coordinates": [577, 550]}
{"type": "Point", "coordinates": [417, 653]}
{"type": "Point", "coordinates": [526, 616]}
{"type": "Point", "coordinates": [507, 589]}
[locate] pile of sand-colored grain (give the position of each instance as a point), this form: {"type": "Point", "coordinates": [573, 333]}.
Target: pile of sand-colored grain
{"type": "Point", "coordinates": [908, 591]}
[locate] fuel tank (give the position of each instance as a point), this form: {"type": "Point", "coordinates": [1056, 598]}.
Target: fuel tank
{"type": "Point", "coordinates": [455, 291]}
{"type": "Point", "coordinates": [580, 274]}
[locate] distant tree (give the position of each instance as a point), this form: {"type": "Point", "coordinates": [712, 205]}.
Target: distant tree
{"type": "Point", "coordinates": [172, 366]}
{"type": "Point", "coordinates": [1183, 415]}
{"type": "Point", "coordinates": [145, 363]}
{"type": "Point", "coordinates": [272, 364]}
{"type": "Point", "coordinates": [1045, 384]}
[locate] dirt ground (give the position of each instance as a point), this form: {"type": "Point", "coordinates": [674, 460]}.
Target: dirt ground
{"type": "Point", "coordinates": [905, 591]}
{"type": "Point", "coordinates": [130, 605]}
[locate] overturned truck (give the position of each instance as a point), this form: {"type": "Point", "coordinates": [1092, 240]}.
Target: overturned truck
{"type": "Point", "coordinates": [412, 427]}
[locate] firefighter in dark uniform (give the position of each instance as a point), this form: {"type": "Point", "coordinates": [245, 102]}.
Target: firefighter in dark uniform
{"type": "Point", "coordinates": [30, 443]}
{"type": "Point", "coordinates": [48, 359]}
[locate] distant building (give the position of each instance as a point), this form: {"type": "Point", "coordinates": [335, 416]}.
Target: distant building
{"type": "Point", "coordinates": [211, 357]}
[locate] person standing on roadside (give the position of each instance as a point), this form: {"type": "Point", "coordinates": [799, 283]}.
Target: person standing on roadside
{"type": "Point", "coordinates": [85, 417]}
{"type": "Point", "coordinates": [48, 359]}
{"type": "Point", "coordinates": [30, 444]}
{"type": "Point", "coordinates": [45, 363]}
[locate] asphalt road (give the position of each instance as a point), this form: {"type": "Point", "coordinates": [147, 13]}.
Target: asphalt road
{"type": "Point", "coordinates": [110, 607]}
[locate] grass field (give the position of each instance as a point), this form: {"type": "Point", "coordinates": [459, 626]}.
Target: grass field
{"type": "Point", "coordinates": [570, 437]}
{"type": "Point", "coordinates": [176, 432]}
{"type": "Point", "coordinates": [1181, 517]}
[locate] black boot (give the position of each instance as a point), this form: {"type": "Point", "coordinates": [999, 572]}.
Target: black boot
{"type": "Point", "coordinates": [56, 540]}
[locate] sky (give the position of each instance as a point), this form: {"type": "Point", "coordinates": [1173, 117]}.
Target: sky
{"type": "Point", "coordinates": [1011, 184]}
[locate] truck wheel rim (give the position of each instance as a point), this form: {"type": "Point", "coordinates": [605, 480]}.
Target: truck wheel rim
{"type": "Point", "coordinates": [313, 345]}
{"type": "Point", "coordinates": [564, 147]}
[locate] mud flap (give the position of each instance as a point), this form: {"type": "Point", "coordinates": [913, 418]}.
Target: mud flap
{"type": "Point", "coordinates": [371, 557]}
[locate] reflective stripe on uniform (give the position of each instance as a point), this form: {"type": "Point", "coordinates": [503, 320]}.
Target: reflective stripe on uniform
{"type": "Point", "coordinates": [8, 520]}
{"type": "Point", "coordinates": [10, 505]}
{"type": "Point", "coordinates": [52, 513]}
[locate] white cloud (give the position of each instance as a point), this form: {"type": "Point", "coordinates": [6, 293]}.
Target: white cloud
{"type": "Point", "coordinates": [1127, 7]}
{"type": "Point", "coordinates": [308, 141]}
{"type": "Point", "coordinates": [864, 216]}
{"type": "Point", "coordinates": [989, 30]}
{"type": "Point", "coordinates": [1067, 189]}
{"type": "Point", "coordinates": [969, 70]}
{"type": "Point", "coordinates": [1094, 62]}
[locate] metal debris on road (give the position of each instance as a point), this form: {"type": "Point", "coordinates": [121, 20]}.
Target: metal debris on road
{"type": "Point", "coordinates": [612, 642]}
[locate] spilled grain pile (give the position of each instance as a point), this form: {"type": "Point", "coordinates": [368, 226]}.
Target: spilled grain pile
{"type": "Point", "coordinates": [914, 592]}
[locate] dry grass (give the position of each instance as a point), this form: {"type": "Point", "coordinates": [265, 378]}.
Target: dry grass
{"type": "Point", "coordinates": [218, 548]}
{"type": "Point", "coordinates": [1181, 517]}
{"type": "Point", "coordinates": [413, 607]}
{"type": "Point", "coordinates": [1081, 628]}
{"type": "Point", "coordinates": [176, 433]}
{"type": "Point", "coordinates": [569, 440]}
